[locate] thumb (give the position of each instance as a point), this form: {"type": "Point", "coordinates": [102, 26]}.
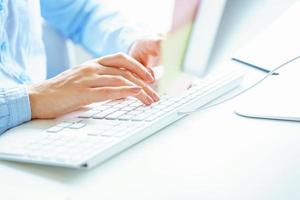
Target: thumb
{"type": "Point", "coordinates": [153, 46]}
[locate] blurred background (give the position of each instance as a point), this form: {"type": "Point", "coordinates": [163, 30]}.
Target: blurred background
{"type": "Point", "coordinates": [153, 15]}
{"type": "Point", "coordinates": [238, 26]}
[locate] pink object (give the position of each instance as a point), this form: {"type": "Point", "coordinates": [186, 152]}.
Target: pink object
{"type": "Point", "coordinates": [184, 13]}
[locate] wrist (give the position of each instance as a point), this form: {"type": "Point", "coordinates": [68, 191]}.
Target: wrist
{"type": "Point", "coordinates": [33, 96]}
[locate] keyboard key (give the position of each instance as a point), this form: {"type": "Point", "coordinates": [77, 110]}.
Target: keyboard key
{"type": "Point", "coordinates": [115, 115]}
{"type": "Point", "coordinates": [170, 108]}
{"type": "Point", "coordinates": [135, 112]}
{"type": "Point", "coordinates": [128, 108]}
{"type": "Point", "coordinates": [159, 106]}
{"type": "Point", "coordinates": [103, 114]}
{"type": "Point", "coordinates": [113, 103]}
{"type": "Point", "coordinates": [101, 107]}
{"type": "Point", "coordinates": [126, 117]}
{"type": "Point", "coordinates": [120, 106]}
{"type": "Point", "coordinates": [167, 103]}
{"type": "Point", "coordinates": [55, 129]}
{"type": "Point", "coordinates": [130, 100]}
{"type": "Point", "coordinates": [144, 108]}
{"type": "Point", "coordinates": [141, 116]}
{"type": "Point", "coordinates": [88, 114]}
{"type": "Point", "coordinates": [73, 120]}
{"type": "Point", "coordinates": [112, 123]}
{"type": "Point", "coordinates": [136, 104]}
{"type": "Point", "coordinates": [78, 125]}
{"type": "Point", "coordinates": [64, 124]}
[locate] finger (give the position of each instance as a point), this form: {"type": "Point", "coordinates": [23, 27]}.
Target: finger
{"type": "Point", "coordinates": [112, 93]}
{"type": "Point", "coordinates": [116, 71]}
{"type": "Point", "coordinates": [146, 49]}
{"type": "Point", "coordinates": [153, 62]}
{"type": "Point", "coordinates": [148, 90]}
{"type": "Point", "coordinates": [144, 98]}
{"type": "Point", "coordinates": [110, 81]}
{"type": "Point", "coordinates": [153, 46]}
{"type": "Point", "coordinates": [127, 62]}
{"type": "Point", "coordinates": [149, 65]}
{"type": "Point", "coordinates": [132, 79]}
{"type": "Point", "coordinates": [117, 81]}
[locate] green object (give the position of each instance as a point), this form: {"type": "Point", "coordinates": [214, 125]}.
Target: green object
{"type": "Point", "coordinates": [173, 53]}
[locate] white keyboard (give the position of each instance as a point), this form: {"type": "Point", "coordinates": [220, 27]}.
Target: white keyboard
{"type": "Point", "coordinates": [107, 129]}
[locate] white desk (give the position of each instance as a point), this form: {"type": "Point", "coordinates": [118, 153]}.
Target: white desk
{"type": "Point", "coordinates": [212, 154]}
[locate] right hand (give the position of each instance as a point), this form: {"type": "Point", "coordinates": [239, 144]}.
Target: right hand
{"type": "Point", "coordinates": [107, 78]}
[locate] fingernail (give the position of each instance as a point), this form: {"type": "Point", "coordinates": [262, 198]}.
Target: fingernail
{"type": "Point", "coordinates": [156, 97]}
{"type": "Point", "coordinates": [150, 77]}
{"type": "Point", "coordinates": [150, 101]}
{"type": "Point", "coordinates": [150, 71]}
{"type": "Point", "coordinates": [147, 101]}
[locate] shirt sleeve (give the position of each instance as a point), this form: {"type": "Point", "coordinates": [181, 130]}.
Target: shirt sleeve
{"type": "Point", "coordinates": [92, 24]}
{"type": "Point", "coordinates": [14, 107]}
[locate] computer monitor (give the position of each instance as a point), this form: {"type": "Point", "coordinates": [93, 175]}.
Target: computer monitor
{"type": "Point", "coordinates": [189, 43]}
{"type": "Point", "coordinates": [203, 36]}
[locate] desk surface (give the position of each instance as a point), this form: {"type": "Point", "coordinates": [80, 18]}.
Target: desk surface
{"type": "Point", "coordinates": [212, 154]}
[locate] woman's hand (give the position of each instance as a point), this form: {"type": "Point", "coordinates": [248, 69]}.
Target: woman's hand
{"type": "Point", "coordinates": [111, 77]}
{"type": "Point", "coordinates": [147, 51]}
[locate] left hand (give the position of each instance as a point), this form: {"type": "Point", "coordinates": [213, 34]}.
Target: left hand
{"type": "Point", "coordinates": [147, 51]}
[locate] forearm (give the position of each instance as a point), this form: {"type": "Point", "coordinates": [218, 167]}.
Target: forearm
{"type": "Point", "coordinates": [14, 107]}
{"type": "Point", "coordinates": [92, 24]}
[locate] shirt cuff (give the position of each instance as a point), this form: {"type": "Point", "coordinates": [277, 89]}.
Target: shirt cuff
{"type": "Point", "coordinates": [16, 102]}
